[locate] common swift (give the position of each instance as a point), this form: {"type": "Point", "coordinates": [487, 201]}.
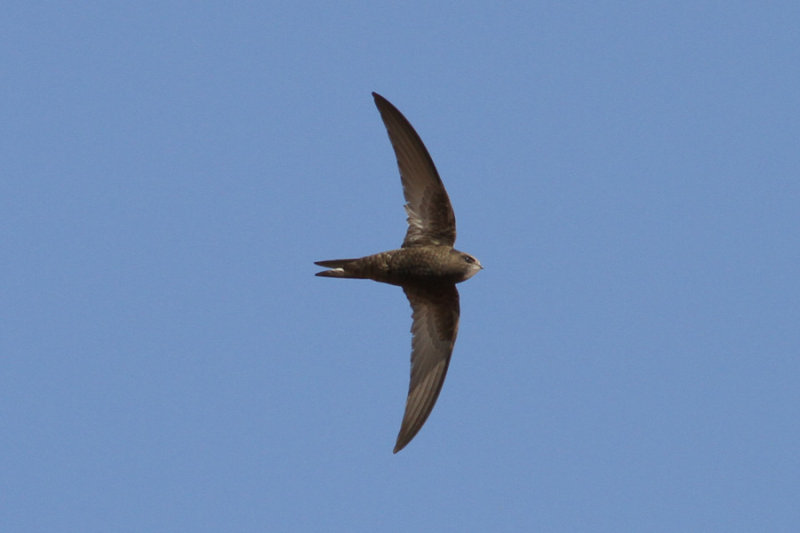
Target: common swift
{"type": "Point", "coordinates": [427, 267]}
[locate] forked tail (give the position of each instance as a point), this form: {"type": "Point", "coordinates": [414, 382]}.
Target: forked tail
{"type": "Point", "coordinates": [338, 268]}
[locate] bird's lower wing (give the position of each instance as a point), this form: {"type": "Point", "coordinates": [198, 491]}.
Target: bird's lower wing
{"type": "Point", "coordinates": [435, 326]}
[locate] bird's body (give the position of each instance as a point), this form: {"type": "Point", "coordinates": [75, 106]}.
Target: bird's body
{"type": "Point", "coordinates": [420, 265]}
{"type": "Point", "coordinates": [427, 267]}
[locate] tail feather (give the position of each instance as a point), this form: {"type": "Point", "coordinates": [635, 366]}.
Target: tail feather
{"type": "Point", "coordinates": [334, 263]}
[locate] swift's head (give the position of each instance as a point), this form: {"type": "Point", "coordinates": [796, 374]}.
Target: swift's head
{"type": "Point", "coordinates": [467, 265]}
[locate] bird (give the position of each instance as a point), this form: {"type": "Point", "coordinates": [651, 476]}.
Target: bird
{"type": "Point", "coordinates": [426, 266]}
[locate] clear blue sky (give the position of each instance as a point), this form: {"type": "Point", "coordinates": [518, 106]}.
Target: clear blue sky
{"type": "Point", "coordinates": [628, 173]}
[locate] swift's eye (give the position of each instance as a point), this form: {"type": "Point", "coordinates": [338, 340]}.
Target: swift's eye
{"type": "Point", "coordinates": [468, 259]}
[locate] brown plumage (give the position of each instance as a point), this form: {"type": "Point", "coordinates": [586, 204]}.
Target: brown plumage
{"type": "Point", "coordinates": [427, 267]}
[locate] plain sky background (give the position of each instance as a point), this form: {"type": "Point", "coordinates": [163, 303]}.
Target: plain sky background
{"type": "Point", "coordinates": [628, 173]}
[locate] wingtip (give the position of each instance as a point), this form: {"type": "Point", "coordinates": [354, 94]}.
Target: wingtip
{"type": "Point", "coordinates": [402, 441]}
{"type": "Point", "coordinates": [382, 103]}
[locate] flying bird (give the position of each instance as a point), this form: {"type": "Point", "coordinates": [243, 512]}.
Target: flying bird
{"type": "Point", "coordinates": [426, 266]}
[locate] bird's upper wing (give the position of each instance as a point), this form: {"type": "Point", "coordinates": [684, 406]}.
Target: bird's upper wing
{"type": "Point", "coordinates": [435, 326]}
{"type": "Point", "coordinates": [430, 216]}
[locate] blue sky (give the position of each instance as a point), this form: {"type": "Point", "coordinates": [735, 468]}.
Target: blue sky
{"type": "Point", "coordinates": [628, 174]}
